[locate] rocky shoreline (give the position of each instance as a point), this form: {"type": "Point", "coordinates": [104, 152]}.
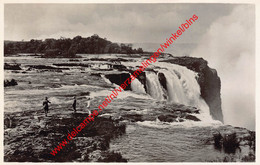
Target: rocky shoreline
{"type": "Point", "coordinates": [30, 137]}
{"type": "Point", "coordinates": [238, 143]}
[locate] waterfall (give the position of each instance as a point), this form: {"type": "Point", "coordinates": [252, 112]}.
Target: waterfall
{"type": "Point", "coordinates": [177, 84]}
{"type": "Point", "coordinates": [176, 93]}
{"type": "Point", "coordinates": [137, 86]}
{"type": "Point", "coordinates": [183, 88]}
{"type": "Point", "coordinates": [153, 86]}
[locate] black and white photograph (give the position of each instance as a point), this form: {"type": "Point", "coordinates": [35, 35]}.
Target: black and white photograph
{"type": "Point", "coordinates": [129, 82]}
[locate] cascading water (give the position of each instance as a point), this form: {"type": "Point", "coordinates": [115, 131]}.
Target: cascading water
{"type": "Point", "coordinates": [174, 88]}
{"type": "Point", "coordinates": [153, 86]}
{"type": "Point", "coordinates": [137, 86]}
{"type": "Point", "coordinates": [183, 88]}
{"type": "Point", "coordinates": [179, 86]}
{"type": "Point", "coordinates": [106, 80]}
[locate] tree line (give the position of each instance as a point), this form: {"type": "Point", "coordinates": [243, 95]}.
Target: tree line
{"type": "Point", "coordinates": [66, 47]}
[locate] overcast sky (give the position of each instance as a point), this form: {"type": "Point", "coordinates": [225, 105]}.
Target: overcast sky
{"type": "Point", "coordinates": [131, 23]}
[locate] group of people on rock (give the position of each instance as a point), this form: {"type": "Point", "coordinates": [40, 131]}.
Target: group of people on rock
{"type": "Point", "coordinates": [74, 105]}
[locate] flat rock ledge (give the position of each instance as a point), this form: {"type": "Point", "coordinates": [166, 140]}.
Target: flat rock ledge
{"type": "Point", "coordinates": [30, 137]}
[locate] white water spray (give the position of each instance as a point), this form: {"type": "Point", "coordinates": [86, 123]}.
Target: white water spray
{"type": "Point", "coordinates": [183, 88]}
{"type": "Point", "coordinates": [153, 86]}
{"type": "Point", "coordinates": [229, 47]}
{"type": "Point", "coordinates": [137, 87]}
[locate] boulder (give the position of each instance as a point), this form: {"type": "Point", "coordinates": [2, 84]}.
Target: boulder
{"type": "Point", "coordinates": [105, 156]}
{"type": "Point", "coordinates": [191, 117]}
{"type": "Point", "coordinates": [230, 142]}
{"type": "Point", "coordinates": [132, 117]}
{"type": "Point", "coordinates": [167, 118]}
{"type": "Point", "coordinates": [10, 83]}
{"type": "Point", "coordinates": [119, 67]}
{"type": "Point", "coordinates": [119, 79]}
{"type": "Point", "coordinates": [12, 67]}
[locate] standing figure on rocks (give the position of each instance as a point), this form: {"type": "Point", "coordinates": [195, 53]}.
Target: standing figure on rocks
{"type": "Point", "coordinates": [88, 105]}
{"type": "Point", "coordinates": [46, 105]}
{"type": "Point", "coordinates": [74, 104]}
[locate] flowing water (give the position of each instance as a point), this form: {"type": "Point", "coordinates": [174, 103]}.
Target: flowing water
{"type": "Point", "coordinates": [145, 140]}
{"type": "Point", "coordinates": [137, 87]}
{"type": "Point", "coordinates": [154, 88]}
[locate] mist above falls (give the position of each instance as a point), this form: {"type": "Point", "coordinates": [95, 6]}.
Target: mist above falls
{"type": "Point", "coordinates": [228, 46]}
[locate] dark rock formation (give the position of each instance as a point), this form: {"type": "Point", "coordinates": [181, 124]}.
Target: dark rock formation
{"type": "Point", "coordinates": [12, 67]}
{"type": "Point", "coordinates": [162, 80]}
{"type": "Point", "coordinates": [96, 74]}
{"type": "Point", "coordinates": [96, 59]}
{"type": "Point", "coordinates": [132, 117]}
{"type": "Point", "coordinates": [191, 117]}
{"type": "Point", "coordinates": [103, 156]}
{"type": "Point", "coordinates": [72, 64]}
{"type": "Point", "coordinates": [167, 118]}
{"type": "Point", "coordinates": [178, 113]}
{"type": "Point", "coordinates": [231, 139]}
{"type": "Point", "coordinates": [119, 67]}
{"type": "Point", "coordinates": [10, 83]}
{"type": "Point", "coordinates": [208, 80]}
{"type": "Point", "coordinates": [41, 67]}
{"type": "Point", "coordinates": [119, 79]}
{"type": "Point", "coordinates": [119, 60]}
{"type": "Point", "coordinates": [44, 67]}
{"type": "Point", "coordinates": [110, 59]}
{"type": "Point", "coordinates": [31, 137]}
{"type": "Point", "coordinates": [230, 142]}
{"type": "Point", "coordinates": [217, 139]}
{"type": "Point", "coordinates": [237, 144]}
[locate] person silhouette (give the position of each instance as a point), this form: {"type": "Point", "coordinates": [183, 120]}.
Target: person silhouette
{"type": "Point", "coordinates": [74, 104]}
{"type": "Point", "coordinates": [88, 104]}
{"type": "Point", "coordinates": [46, 105]}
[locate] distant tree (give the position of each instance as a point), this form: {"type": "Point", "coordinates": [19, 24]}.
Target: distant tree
{"type": "Point", "coordinates": [52, 53]}
{"type": "Point", "coordinates": [77, 39]}
{"type": "Point", "coordinates": [65, 47]}
{"type": "Point", "coordinates": [140, 51]}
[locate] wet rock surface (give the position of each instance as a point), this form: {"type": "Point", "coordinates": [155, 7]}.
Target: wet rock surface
{"type": "Point", "coordinates": [191, 117]}
{"type": "Point", "coordinates": [132, 117]}
{"type": "Point", "coordinates": [178, 113]}
{"type": "Point", "coordinates": [119, 79]}
{"type": "Point", "coordinates": [238, 143]}
{"type": "Point", "coordinates": [44, 67]}
{"type": "Point", "coordinates": [12, 82]}
{"type": "Point", "coordinates": [72, 64]}
{"type": "Point", "coordinates": [30, 137]}
{"type": "Point", "coordinates": [12, 66]}
{"type": "Point", "coordinates": [166, 113]}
